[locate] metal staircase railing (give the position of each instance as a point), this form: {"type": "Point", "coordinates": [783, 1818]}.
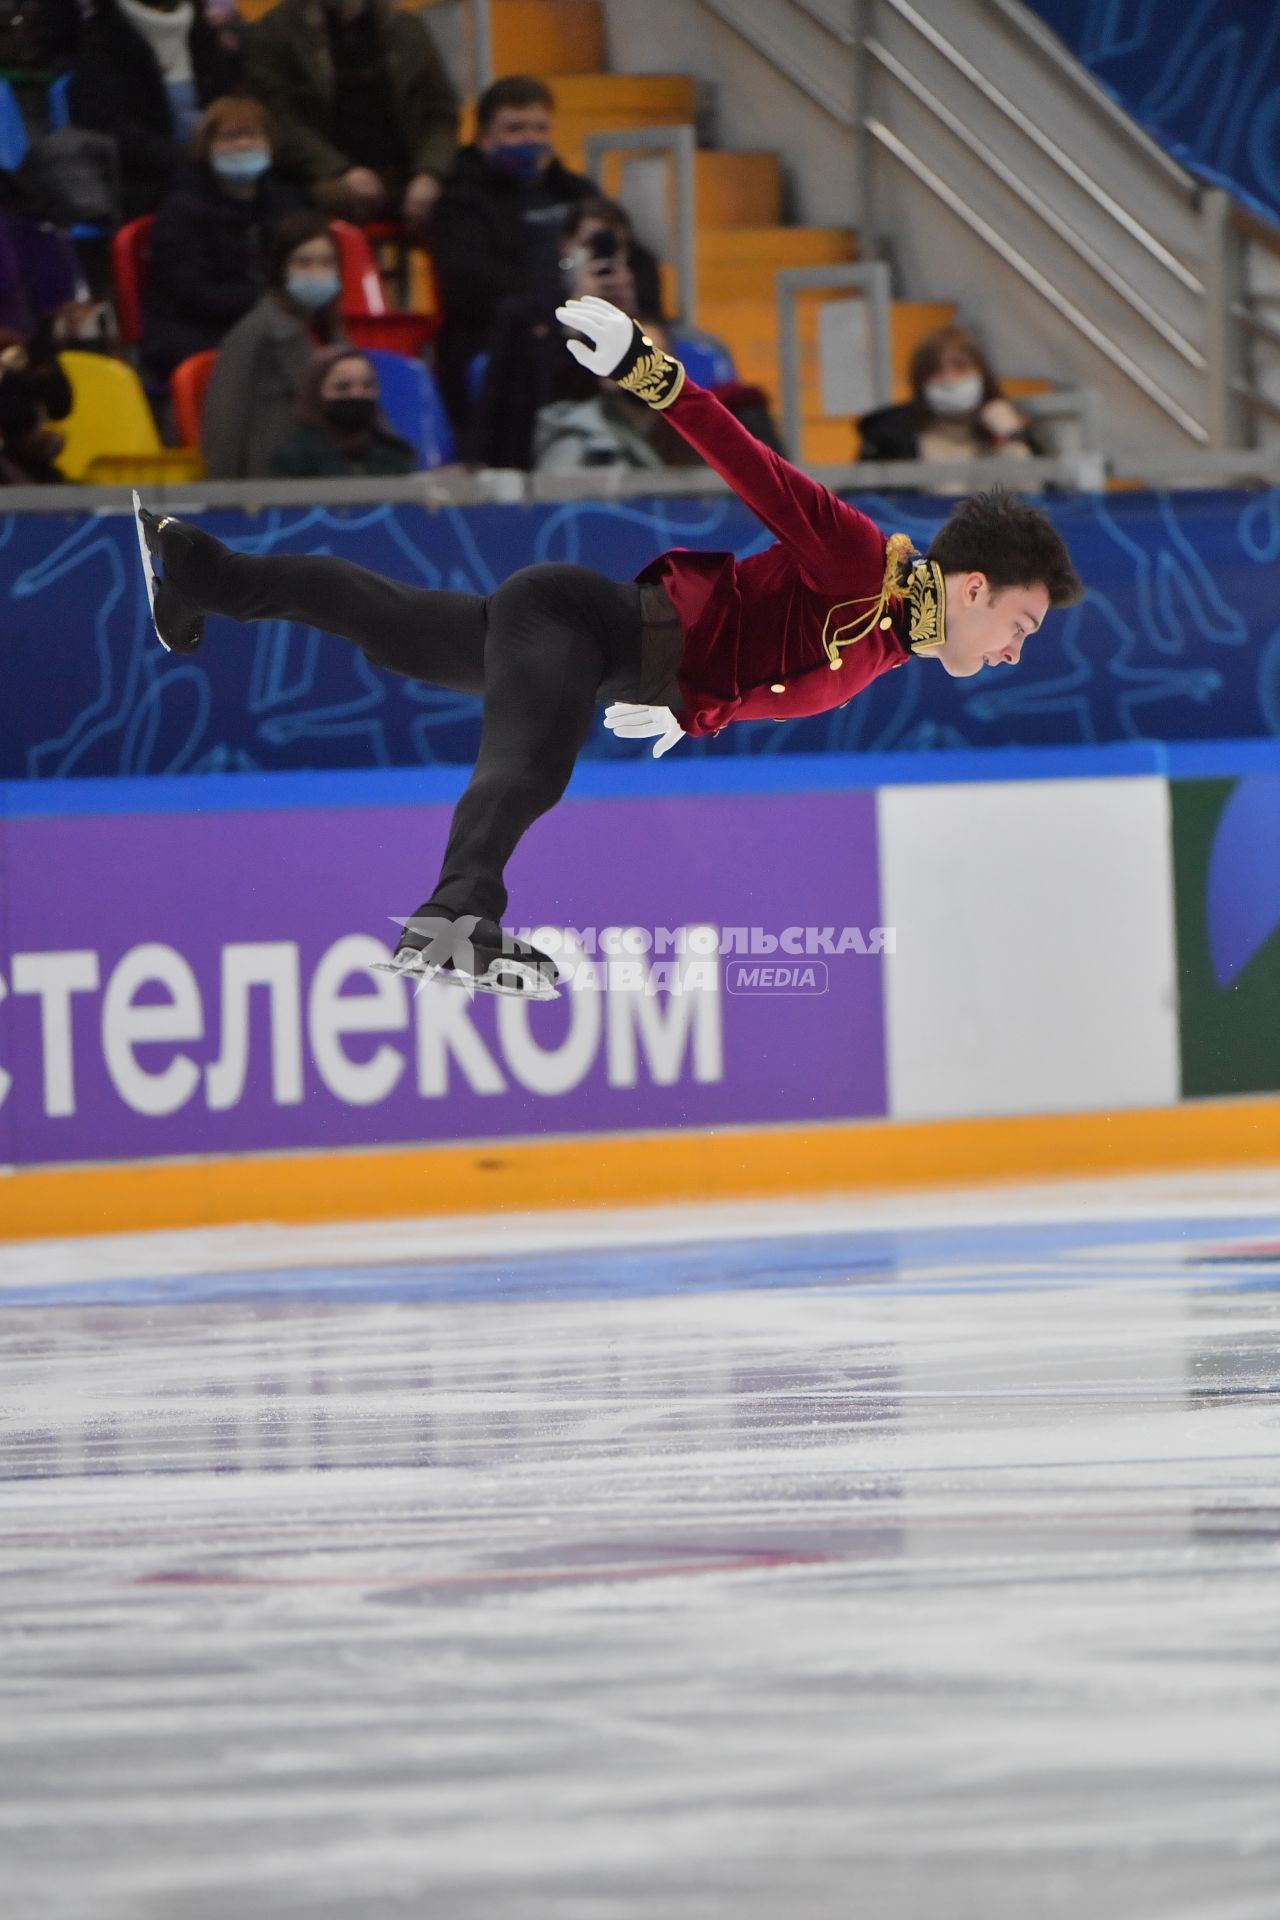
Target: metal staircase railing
{"type": "Point", "coordinates": [1221, 352]}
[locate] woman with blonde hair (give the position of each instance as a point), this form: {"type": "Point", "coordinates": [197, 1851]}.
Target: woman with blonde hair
{"type": "Point", "coordinates": [956, 410]}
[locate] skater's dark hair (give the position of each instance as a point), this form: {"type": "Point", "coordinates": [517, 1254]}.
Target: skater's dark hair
{"type": "Point", "coordinates": [514, 90]}
{"type": "Point", "coordinates": [1013, 543]}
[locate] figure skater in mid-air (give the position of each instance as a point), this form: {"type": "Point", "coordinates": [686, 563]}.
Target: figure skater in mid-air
{"type": "Point", "coordinates": [697, 641]}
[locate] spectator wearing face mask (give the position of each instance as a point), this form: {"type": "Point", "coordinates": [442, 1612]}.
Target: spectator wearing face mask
{"type": "Point", "coordinates": [209, 243]}
{"type": "Point", "coordinates": [363, 111]}
{"type": "Point", "coordinates": [143, 71]}
{"type": "Point", "coordinates": [956, 410]}
{"type": "Point", "coordinates": [342, 431]}
{"type": "Point", "coordinates": [264, 363]}
{"type": "Point", "coordinates": [497, 230]}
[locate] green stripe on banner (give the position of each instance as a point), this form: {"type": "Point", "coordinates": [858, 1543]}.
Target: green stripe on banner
{"type": "Point", "coordinates": [1227, 883]}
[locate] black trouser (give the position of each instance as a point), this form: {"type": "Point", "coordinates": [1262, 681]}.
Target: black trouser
{"type": "Point", "coordinates": [551, 642]}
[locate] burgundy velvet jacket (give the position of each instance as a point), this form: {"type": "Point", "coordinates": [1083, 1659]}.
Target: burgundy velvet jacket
{"type": "Point", "coordinates": [757, 632]}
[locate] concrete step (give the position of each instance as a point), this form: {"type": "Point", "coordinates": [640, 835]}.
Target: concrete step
{"type": "Point", "coordinates": [737, 189]}
{"type": "Point", "coordinates": [826, 442]}
{"type": "Point", "coordinates": [548, 36]}
{"type": "Point", "coordinates": [735, 262]}
{"type": "Point", "coordinates": [749, 328]}
{"type": "Point", "coordinates": [631, 93]}
{"type": "Point", "coordinates": [733, 191]}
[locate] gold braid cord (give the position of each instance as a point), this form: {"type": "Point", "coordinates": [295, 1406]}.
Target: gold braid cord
{"type": "Point", "coordinates": [653, 376]}
{"type": "Point", "coordinates": [898, 555]}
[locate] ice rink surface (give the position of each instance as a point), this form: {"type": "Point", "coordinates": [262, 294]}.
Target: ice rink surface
{"type": "Point", "coordinates": [898, 1558]}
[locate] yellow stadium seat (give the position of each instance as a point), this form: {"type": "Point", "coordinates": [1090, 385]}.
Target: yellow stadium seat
{"type": "Point", "coordinates": [110, 413]}
{"type": "Point", "coordinates": [169, 467]}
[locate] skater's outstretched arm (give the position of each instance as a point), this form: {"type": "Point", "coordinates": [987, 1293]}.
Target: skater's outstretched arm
{"type": "Point", "coordinates": [827, 537]}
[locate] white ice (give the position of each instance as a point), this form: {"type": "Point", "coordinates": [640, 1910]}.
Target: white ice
{"type": "Point", "coordinates": [910, 1557]}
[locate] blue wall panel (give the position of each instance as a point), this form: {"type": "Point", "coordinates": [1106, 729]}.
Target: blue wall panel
{"type": "Point", "coordinates": [1178, 639]}
{"type": "Point", "coordinates": [1204, 78]}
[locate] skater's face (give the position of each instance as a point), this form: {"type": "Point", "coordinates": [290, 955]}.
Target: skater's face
{"type": "Point", "coordinates": [986, 626]}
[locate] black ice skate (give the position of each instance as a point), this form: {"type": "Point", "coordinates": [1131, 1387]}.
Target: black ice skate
{"type": "Point", "coordinates": [179, 623]}
{"type": "Point", "coordinates": [467, 952]}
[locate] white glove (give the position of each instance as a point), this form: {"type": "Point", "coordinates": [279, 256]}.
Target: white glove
{"type": "Point", "coordinates": [642, 723]}
{"type": "Point", "coordinates": [609, 329]}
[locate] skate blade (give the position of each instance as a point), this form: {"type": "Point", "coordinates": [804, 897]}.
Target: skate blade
{"type": "Point", "coordinates": [533, 985]}
{"type": "Point", "coordinates": [148, 568]}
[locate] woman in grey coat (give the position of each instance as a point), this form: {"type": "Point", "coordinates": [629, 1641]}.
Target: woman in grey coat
{"type": "Point", "coordinates": [250, 406]}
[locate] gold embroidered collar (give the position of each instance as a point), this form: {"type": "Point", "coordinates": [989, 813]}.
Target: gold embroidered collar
{"type": "Point", "coordinates": [926, 596]}
{"type": "Point", "coordinates": [907, 577]}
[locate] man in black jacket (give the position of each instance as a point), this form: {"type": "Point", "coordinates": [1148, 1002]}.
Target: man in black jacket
{"type": "Point", "coordinates": [363, 113]}
{"type": "Point", "coordinates": [497, 227]}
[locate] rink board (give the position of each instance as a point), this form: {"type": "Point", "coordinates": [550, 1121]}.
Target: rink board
{"type": "Point", "coordinates": [185, 906]}
{"type": "Point", "coordinates": [795, 984]}
{"type": "Point", "coordinates": [1175, 640]}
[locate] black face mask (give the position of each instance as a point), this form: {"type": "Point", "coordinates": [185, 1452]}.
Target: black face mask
{"type": "Point", "coordinates": [351, 414]}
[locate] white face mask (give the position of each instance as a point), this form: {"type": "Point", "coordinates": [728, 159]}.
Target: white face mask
{"type": "Point", "coordinates": [951, 397]}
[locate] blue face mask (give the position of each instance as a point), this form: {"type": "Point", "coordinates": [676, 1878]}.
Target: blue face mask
{"type": "Point", "coordinates": [521, 158]}
{"type": "Point", "coordinates": [310, 289]}
{"type": "Point", "coordinates": [244, 163]}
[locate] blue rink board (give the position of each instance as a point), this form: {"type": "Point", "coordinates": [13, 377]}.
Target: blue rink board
{"type": "Point", "coordinates": [1177, 639]}
{"type": "Point", "coordinates": [1233, 1251]}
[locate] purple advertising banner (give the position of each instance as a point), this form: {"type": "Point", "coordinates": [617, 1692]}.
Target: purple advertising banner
{"type": "Point", "coordinates": [189, 982]}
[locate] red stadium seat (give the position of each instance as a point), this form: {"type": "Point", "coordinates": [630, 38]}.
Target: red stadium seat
{"type": "Point", "coordinates": [187, 384]}
{"type": "Point", "coordinates": [130, 258]}
{"type": "Point", "coordinates": [361, 287]}
{"type": "Point", "coordinates": [398, 332]}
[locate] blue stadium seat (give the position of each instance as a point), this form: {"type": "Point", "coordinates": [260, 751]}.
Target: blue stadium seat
{"type": "Point", "coordinates": [706, 359]}
{"type": "Point", "coordinates": [13, 130]}
{"type": "Point", "coordinates": [58, 103]}
{"type": "Point", "coordinates": [411, 402]}
{"type": "Point", "coordinates": [477, 367]}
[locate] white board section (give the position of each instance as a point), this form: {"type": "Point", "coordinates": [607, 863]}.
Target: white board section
{"type": "Point", "coordinates": [1034, 969]}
